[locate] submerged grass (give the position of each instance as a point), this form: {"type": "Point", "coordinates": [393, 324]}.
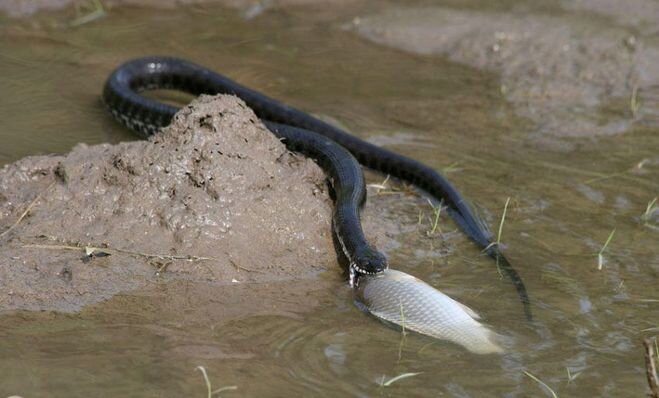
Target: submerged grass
{"type": "Point", "coordinates": [88, 11]}
{"type": "Point", "coordinates": [625, 173]}
{"type": "Point", "coordinates": [498, 241]}
{"type": "Point", "coordinates": [600, 255]}
{"type": "Point", "coordinates": [402, 318]}
{"type": "Point", "coordinates": [212, 392]}
{"type": "Point", "coordinates": [402, 376]}
{"type": "Point", "coordinates": [597, 176]}
{"type": "Point", "coordinates": [649, 209]}
{"type": "Point", "coordinates": [452, 168]}
{"type": "Point", "coordinates": [500, 232]}
{"type": "Point", "coordinates": [571, 376]}
{"type": "Point", "coordinates": [651, 364]}
{"type": "Point", "coordinates": [503, 219]}
{"type": "Point", "coordinates": [542, 383]}
{"type": "Point", "coordinates": [403, 331]}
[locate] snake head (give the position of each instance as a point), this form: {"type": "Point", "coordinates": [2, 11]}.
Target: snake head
{"type": "Point", "coordinates": [369, 261]}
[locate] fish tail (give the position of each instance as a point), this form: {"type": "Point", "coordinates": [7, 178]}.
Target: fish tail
{"type": "Point", "coordinates": [485, 341]}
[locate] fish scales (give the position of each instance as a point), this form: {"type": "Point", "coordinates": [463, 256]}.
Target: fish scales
{"type": "Point", "coordinates": [407, 301]}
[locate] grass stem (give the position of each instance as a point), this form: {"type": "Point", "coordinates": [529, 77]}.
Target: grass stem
{"type": "Point", "coordinates": [27, 210]}
{"type": "Point", "coordinates": [600, 255]}
{"type": "Point", "coordinates": [649, 209]}
{"type": "Point", "coordinates": [553, 394]}
{"type": "Point", "coordinates": [209, 388]}
{"type": "Point", "coordinates": [503, 218]}
{"type": "Point", "coordinates": [397, 378]}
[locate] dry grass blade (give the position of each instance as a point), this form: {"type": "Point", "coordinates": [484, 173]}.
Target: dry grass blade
{"type": "Point", "coordinates": [398, 378]}
{"type": "Point", "coordinates": [651, 365]}
{"type": "Point", "coordinates": [437, 210]}
{"type": "Point", "coordinates": [27, 210]}
{"type": "Point", "coordinates": [91, 250]}
{"type": "Point", "coordinates": [382, 185]}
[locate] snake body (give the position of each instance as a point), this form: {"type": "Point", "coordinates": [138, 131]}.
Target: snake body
{"type": "Point", "coordinates": [336, 151]}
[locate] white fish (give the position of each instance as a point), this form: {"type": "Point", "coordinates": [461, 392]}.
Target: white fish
{"type": "Point", "coordinates": [397, 297]}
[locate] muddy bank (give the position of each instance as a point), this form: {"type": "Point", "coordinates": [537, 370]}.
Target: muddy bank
{"type": "Point", "coordinates": [215, 197]}
{"type": "Point", "coordinates": [574, 79]}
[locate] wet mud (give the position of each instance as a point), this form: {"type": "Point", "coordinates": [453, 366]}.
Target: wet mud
{"type": "Point", "coordinates": [214, 198]}
{"type": "Point", "coordinates": [579, 70]}
{"type": "Point", "coordinates": [560, 71]}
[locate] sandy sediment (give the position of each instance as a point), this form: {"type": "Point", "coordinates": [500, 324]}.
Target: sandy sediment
{"type": "Point", "coordinates": [215, 185]}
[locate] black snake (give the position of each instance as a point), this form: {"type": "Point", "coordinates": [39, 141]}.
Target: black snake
{"type": "Point", "coordinates": [336, 151]}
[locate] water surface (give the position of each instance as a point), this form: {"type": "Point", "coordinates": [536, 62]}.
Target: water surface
{"type": "Point", "coordinates": [589, 321]}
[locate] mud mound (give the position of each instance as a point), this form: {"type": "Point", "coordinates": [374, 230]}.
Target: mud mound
{"type": "Point", "coordinates": [214, 197]}
{"type": "Point", "coordinates": [558, 71]}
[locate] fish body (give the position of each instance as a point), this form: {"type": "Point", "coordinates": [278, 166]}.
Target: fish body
{"type": "Point", "coordinates": [409, 302]}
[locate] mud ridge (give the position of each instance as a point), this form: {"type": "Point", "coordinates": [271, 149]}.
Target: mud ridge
{"type": "Point", "coordinates": [214, 197]}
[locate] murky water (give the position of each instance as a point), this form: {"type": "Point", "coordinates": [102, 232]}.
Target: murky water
{"type": "Point", "coordinates": [589, 322]}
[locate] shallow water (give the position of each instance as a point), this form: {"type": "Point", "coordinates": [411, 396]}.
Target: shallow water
{"type": "Point", "coordinates": [563, 207]}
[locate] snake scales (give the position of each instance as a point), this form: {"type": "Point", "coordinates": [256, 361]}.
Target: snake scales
{"type": "Point", "coordinates": [336, 151]}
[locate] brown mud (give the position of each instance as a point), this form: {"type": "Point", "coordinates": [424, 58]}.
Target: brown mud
{"type": "Point", "coordinates": [579, 70]}
{"type": "Point", "coordinates": [560, 71]}
{"type": "Point", "coordinates": [215, 197]}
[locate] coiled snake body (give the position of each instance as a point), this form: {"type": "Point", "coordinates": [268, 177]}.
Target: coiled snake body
{"type": "Point", "coordinates": [336, 151]}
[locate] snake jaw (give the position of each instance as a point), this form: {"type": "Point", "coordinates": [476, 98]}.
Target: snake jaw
{"type": "Point", "coordinates": [356, 268]}
{"type": "Point", "coordinates": [371, 262]}
{"type": "Point", "coordinates": [355, 271]}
